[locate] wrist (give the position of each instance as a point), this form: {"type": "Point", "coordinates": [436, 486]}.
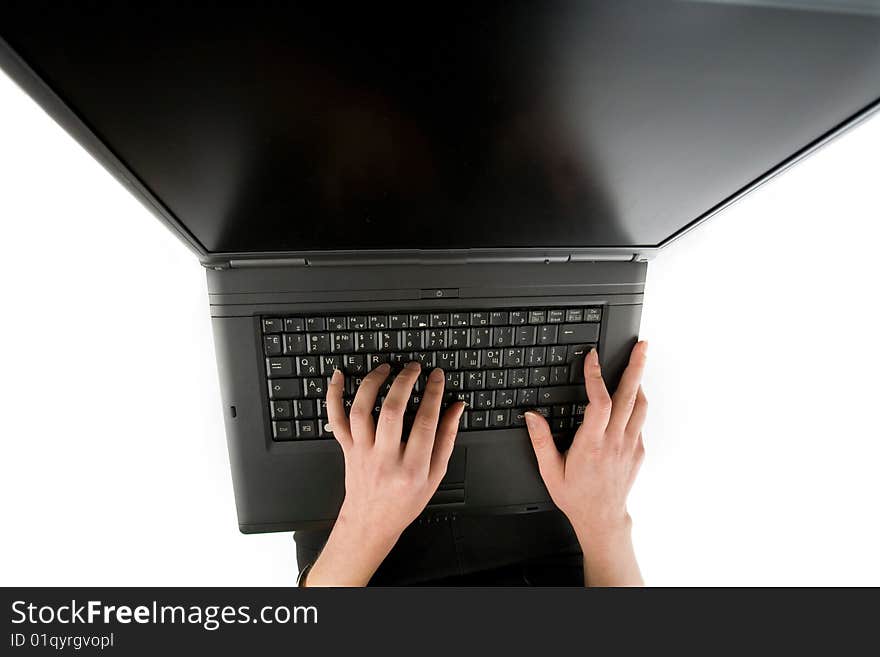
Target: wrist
{"type": "Point", "coordinates": [353, 552]}
{"type": "Point", "coordinates": [607, 532]}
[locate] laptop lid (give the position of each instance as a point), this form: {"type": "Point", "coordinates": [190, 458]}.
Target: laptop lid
{"type": "Point", "coordinates": [510, 127]}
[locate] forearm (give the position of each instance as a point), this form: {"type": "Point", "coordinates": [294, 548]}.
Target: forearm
{"type": "Point", "coordinates": [350, 557]}
{"type": "Point", "coordinates": [609, 558]}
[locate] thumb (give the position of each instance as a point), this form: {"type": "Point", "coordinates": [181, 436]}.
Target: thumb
{"type": "Point", "coordinates": [550, 462]}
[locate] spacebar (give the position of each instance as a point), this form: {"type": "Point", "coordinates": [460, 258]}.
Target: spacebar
{"type": "Point", "coordinates": [561, 395]}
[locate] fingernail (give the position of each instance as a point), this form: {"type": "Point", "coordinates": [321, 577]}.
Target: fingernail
{"type": "Point", "coordinates": [531, 418]}
{"type": "Point", "coordinates": [384, 367]}
{"type": "Point", "coordinates": [644, 347]}
{"type": "Point", "coordinates": [436, 374]}
{"type": "Point", "coordinates": [413, 365]}
{"type": "Point", "coordinates": [337, 375]}
{"type": "Point", "coordinates": [594, 357]}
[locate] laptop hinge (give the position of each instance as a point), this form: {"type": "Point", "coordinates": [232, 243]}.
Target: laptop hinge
{"type": "Point", "coordinates": [472, 256]}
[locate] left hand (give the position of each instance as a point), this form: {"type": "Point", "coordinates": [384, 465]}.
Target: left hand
{"type": "Point", "coordinates": [387, 482]}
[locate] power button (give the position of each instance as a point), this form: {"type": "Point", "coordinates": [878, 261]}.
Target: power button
{"type": "Point", "coordinates": [439, 293]}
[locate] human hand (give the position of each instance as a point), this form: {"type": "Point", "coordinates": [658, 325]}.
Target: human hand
{"type": "Point", "coordinates": [387, 482]}
{"type": "Point", "coordinates": [591, 481]}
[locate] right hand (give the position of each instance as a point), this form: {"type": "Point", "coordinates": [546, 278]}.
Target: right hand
{"type": "Point", "coordinates": [591, 481]}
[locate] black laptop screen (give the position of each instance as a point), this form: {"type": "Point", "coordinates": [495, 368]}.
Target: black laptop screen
{"type": "Point", "coordinates": [515, 124]}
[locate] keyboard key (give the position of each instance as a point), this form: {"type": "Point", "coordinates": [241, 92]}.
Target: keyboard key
{"type": "Point", "coordinates": [479, 319]}
{"type": "Point", "coordinates": [539, 376]}
{"type": "Point", "coordinates": [505, 398]}
{"type": "Point", "coordinates": [294, 325]}
{"type": "Point", "coordinates": [419, 320]}
{"type": "Point", "coordinates": [525, 335]}
{"type": "Point", "coordinates": [294, 343]}
{"type": "Point", "coordinates": [365, 341]}
{"type": "Point", "coordinates": [562, 410]}
{"type": "Point", "coordinates": [304, 409]}
{"type": "Point", "coordinates": [308, 366]}
{"type": "Point", "coordinates": [519, 317]}
{"type": "Point", "coordinates": [454, 381]}
{"type": "Point", "coordinates": [447, 360]}
{"type": "Point", "coordinates": [499, 419]}
{"type": "Point", "coordinates": [378, 321]}
{"type": "Point", "coordinates": [514, 357]}
{"type": "Point", "coordinates": [574, 315]}
{"type": "Point", "coordinates": [592, 314]}
{"type": "Point", "coordinates": [398, 321]}
{"type": "Point", "coordinates": [459, 319]}
{"type": "Point", "coordinates": [556, 316]}
{"type": "Point", "coordinates": [480, 337]}
{"type": "Point", "coordinates": [316, 324]}
{"type": "Point", "coordinates": [336, 323]}
{"type": "Point", "coordinates": [547, 334]}
{"type": "Point", "coordinates": [537, 317]}
{"type": "Point", "coordinates": [355, 364]}
{"type": "Point", "coordinates": [280, 410]}
{"type": "Point", "coordinates": [518, 378]}
{"type": "Point", "coordinates": [518, 418]}
{"type": "Point", "coordinates": [484, 399]}
{"type": "Point", "coordinates": [536, 356]}
{"type": "Point", "coordinates": [559, 375]}
{"type": "Point", "coordinates": [272, 345]}
{"type": "Point", "coordinates": [440, 320]}
{"type": "Point", "coordinates": [497, 379]}
{"type": "Point", "coordinates": [502, 336]}
{"type": "Point", "coordinates": [492, 358]}
{"type": "Point", "coordinates": [324, 429]}
{"type": "Point", "coordinates": [315, 387]}
{"type": "Point", "coordinates": [414, 340]}
{"type": "Point", "coordinates": [374, 360]}
{"type": "Point", "coordinates": [279, 367]}
{"type": "Point", "coordinates": [556, 354]}
{"type": "Point", "coordinates": [389, 340]}
{"type": "Point", "coordinates": [559, 424]}
{"type": "Point", "coordinates": [561, 395]}
{"type": "Point", "coordinates": [475, 380]}
{"type": "Point", "coordinates": [469, 359]}
{"type": "Point", "coordinates": [498, 318]}
{"type": "Point", "coordinates": [478, 419]}
{"type": "Point", "coordinates": [527, 397]}
{"type": "Point", "coordinates": [458, 338]}
{"type": "Point", "coordinates": [575, 333]}
{"type": "Point", "coordinates": [343, 343]}
{"type": "Point", "coordinates": [426, 358]}
{"type": "Point", "coordinates": [318, 343]}
{"type": "Point", "coordinates": [285, 389]}
{"type": "Point", "coordinates": [273, 325]}
{"type": "Point", "coordinates": [306, 429]}
{"type": "Point", "coordinates": [330, 363]}
{"type": "Point", "coordinates": [358, 322]}
{"type": "Point", "coordinates": [282, 430]}
{"type": "Point", "coordinates": [436, 339]}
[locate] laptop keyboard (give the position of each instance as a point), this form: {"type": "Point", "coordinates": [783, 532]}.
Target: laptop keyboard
{"type": "Point", "coordinates": [500, 362]}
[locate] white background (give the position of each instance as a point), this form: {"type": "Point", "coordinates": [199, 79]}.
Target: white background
{"type": "Point", "coordinates": [762, 439]}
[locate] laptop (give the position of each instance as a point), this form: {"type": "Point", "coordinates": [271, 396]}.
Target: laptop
{"type": "Point", "coordinates": [478, 189]}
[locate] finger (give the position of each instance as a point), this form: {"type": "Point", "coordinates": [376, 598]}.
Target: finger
{"type": "Point", "coordinates": [421, 438]}
{"type": "Point", "coordinates": [550, 462]}
{"type": "Point", "coordinates": [390, 425]}
{"type": "Point", "coordinates": [336, 412]}
{"type": "Point", "coordinates": [363, 429]}
{"type": "Point", "coordinates": [625, 397]}
{"type": "Point", "coordinates": [444, 442]}
{"type": "Point", "coordinates": [637, 419]}
{"type": "Point", "coordinates": [592, 430]}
